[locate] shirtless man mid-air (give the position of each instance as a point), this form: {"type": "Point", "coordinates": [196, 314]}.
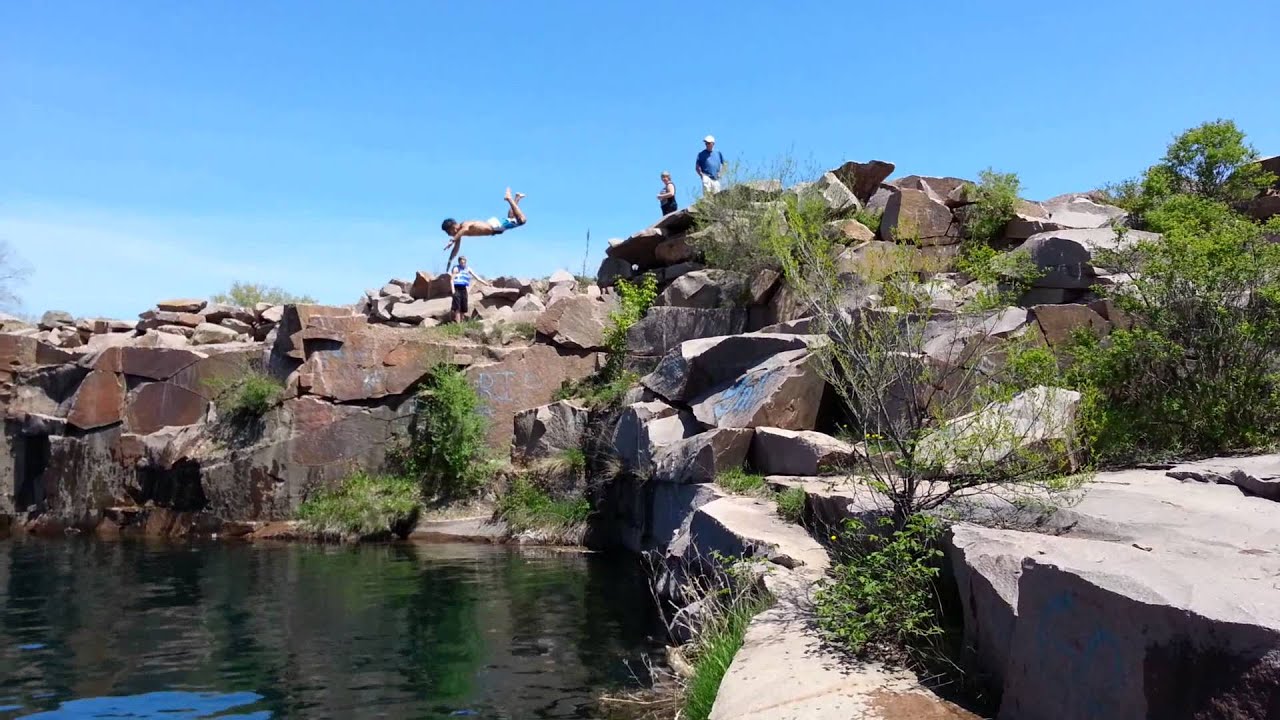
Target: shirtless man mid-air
{"type": "Point", "coordinates": [480, 228]}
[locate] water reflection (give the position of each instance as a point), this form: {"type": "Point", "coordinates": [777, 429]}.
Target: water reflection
{"type": "Point", "coordinates": [91, 629]}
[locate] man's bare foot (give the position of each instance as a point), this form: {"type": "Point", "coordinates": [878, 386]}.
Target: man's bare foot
{"type": "Point", "coordinates": [507, 196]}
{"type": "Point", "coordinates": [520, 196]}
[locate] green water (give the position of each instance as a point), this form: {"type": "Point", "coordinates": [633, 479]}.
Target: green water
{"type": "Point", "coordinates": [95, 629]}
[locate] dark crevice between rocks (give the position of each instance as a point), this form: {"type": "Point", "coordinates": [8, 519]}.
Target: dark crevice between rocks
{"type": "Point", "coordinates": [33, 453]}
{"type": "Point", "coordinates": [178, 488]}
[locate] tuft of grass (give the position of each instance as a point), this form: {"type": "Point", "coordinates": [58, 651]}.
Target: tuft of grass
{"type": "Point", "coordinates": [740, 482]}
{"type": "Point", "coordinates": [245, 396]}
{"type": "Point", "coordinates": [525, 506]}
{"type": "Point", "coordinates": [522, 330]}
{"type": "Point", "coordinates": [466, 328]}
{"type": "Point", "coordinates": [599, 391]}
{"type": "Point", "coordinates": [869, 218]}
{"type": "Point", "coordinates": [718, 642]}
{"type": "Point", "coordinates": [363, 505]}
{"type": "Point", "coordinates": [791, 504]}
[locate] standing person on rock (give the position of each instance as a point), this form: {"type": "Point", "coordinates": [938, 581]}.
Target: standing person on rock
{"type": "Point", "coordinates": [710, 163]}
{"type": "Point", "coordinates": [667, 198]}
{"type": "Point", "coordinates": [481, 228]}
{"type": "Point", "coordinates": [462, 277]}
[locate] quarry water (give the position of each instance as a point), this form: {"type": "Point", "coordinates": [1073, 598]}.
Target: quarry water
{"type": "Point", "coordinates": [92, 629]}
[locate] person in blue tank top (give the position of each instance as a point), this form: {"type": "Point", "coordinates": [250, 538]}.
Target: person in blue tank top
{"type": "Point", "coordinates": [481, 228]}
{"type": "Point", "coordinates": [462, 277]}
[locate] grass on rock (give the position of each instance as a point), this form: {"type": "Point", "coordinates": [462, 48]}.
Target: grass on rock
{"type": "Point", "coordinates": [527, 507]}
{"type": "Point", "coordinates": [362, 506]}
{"type": "Point", "coordinates": [718, 642]}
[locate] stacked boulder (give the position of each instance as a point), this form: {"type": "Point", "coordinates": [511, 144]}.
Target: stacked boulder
{"type": "Point", "coordinates": [427, 300]}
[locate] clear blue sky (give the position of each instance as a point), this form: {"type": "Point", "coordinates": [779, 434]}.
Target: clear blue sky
{"type": "Point", "coordinates": [159, 149]}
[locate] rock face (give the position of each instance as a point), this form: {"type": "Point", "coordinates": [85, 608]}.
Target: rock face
{"type": "Point", "coordinates": [1142, 633]}
{"type": "Point", "coordinates": [705, 289]}
{"type": "Point", "coordinates": [576, 322]}
{"type": "Point", "coordinates": [549, 430]}
{"type": "Point", "coordinates": [1258, 475]}
{"type": "Point", "coordinates": [1040, 420]}
{"type": "Point", "coordinates": [642, 429]}
{"type": "Point", "coordinates": [368, 364]}
{"type": "Point", "coordinates": [700, 365]}
{"type": "Point", "coordinates": [700, 458]}
{"type": "Point", "coordinates": [775, 451]}
{"type": "Point", "coordinates": [1065, 257]}
{"type": "Point", "coordinates": [664, 328]}
{"type": "Point", "coordinates": [210, 334]}
{"type": "Point", "coordinates": [784, 391]}
{"type": "Point", "coordinates": [523, 378]}
{"type": "Point", "coordinates": [863, 179]}
{"type": "Point", "coordinates": [914, 215]}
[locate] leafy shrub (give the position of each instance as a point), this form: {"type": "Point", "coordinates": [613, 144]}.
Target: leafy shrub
{"type": "Point", "coordinates": [446, 450]}
{"type": "Point", "coordinates": [598, 391]}
{"type": "Point", "coordinates": [634, 300]}
{"type": "Point", "coordinates": [740, 482]}
{"type": "Point", "coordinates": [1195, 374]}
{"type": "Point", "coordinates": [879, 598]}
{"type": "Point", "coordinates": [1210, 161]}
{"type": "Point", "coordinates": [363, 505]}
{"type": "Point", "coordinates": [525, 506]}
{"type": "Point", "coordinates": [995, 202]}
{"type": "Point", "coordinates": [244, 396]}
{"type": "Point", "coordinates": [869, 218]}
{"type": "Point", "coordinates": [249, 294]}
{"type": "Point", "coordinates": [791, 503]}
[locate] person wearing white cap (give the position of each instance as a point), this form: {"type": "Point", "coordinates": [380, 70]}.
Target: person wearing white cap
{"type": "Point", "coordinates": [710, 162]}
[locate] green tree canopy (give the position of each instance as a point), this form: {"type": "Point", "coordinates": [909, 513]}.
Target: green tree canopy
{"type": "Point", "coordinates": [250, 294]}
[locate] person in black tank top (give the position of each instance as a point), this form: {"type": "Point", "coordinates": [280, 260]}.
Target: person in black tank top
{"type": "Point", "coordinates": [667, 198]}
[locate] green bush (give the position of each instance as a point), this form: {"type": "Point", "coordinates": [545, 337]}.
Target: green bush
{"type": "Point", "coordinates": [994, 203]}
{"type": "Point", "coordinates": [740, 482]}
{"type": "Point", "coordinates": [1211, 161]}
{"type": "Point", "coordinates": [525, 506]}
{"type": "Point", "coordinates": [1195, 373]}
{"type": "Point", "coordinates": [244, 396]}
{"type": "Point", "coordinates": [879, 599]}
{"type": "Point", "coordinates": [634, 300]}
{"type": "Point", "coordinates": [869, 218]}
{"type": "Point", "coordinates": [446, 451]}
{"type": "Point", "coordinates": [247, 295]}
{"type": "Point", "coordinates": [791, 503]}
{"type": "Point", "coordinates": [364, 505]}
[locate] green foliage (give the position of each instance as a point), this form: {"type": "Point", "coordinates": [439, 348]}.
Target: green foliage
{"type": "Point", "coordinates": [575, 459]}
{"type": "Point", "coordinates": [247, 295]}
{"type": "Point", "coordinates": [446, 452]}
{"type": "Point", "coordinates": [245, 395]}
{"type": "Point", "coordinates": [522, 330]}
{"type": "Point", "coordinates": [1195, 371]}
{"type": "Point", "coordinates": [1211, 161]}
{"type": "Point", "coordinates": [719, 641]}
{"type": "Point", "coordinates": [1002, 276]}
{"type": "Point", "coordinates": [995, 201]}
{"type": "Point", "coordinates": [466, 328]}
{"type": "Point", "coordinates": [598, 391]}
{"type": "Point", "coordinates": [791, 503]}
{"type": "Point", "coordinates": [634, 300]}
{"type": "Point", "coordinates": [869, 217]}
{"type": "Point", "coordinates": [362, 506]}
{"type": "Point", "coordinates": [880, 596]}
{"type": "Point", "coordinates": [525, 507]}
{"type": "Point", "coordinates": [740, 482]}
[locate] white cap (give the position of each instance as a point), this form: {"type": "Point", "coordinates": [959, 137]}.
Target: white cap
{"type": "Point", "coordinates": [709, 139]}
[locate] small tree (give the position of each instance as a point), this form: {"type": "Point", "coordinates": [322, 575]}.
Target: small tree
{"type": "Point", "coordinates": [12, 272]}
{"type": "Point", "coordinates": [250, 294]}
{"type": "Point", "coordinates": [910, 374]}
{"type": "Point", "coordinates": [995, 202]}
{"type": "Point", "coordinates": [1211, 161]}
{"type": "Point", "coordinates": [446, 450]}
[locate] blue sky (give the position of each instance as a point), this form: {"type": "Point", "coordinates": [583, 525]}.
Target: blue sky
{"type": "Point", "coordinates": [160, 149]}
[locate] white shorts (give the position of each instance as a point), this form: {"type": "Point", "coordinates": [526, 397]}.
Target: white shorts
{"type": "Point", "coordinates": [710, 186]}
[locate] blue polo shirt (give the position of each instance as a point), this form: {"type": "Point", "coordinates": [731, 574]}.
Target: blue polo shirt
{"type": "Point", "coordinates": [709, 162]}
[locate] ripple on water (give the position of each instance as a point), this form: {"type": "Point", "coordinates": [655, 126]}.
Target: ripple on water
{"type": "Point", "coordinates": [168, 705]}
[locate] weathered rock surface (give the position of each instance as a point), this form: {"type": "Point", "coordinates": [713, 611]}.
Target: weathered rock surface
{"type": "Point", "coordinates": [549, 430]}
{"type": "Point", "coordinates": [98, 401]}
{"type": "Point", "coordinates": [523, 378]}
{"type": "Point", "coordinates": [1040, 420]}
{"type": "Point", "coordinates": [704, 289]}
{"type": "Point", "coordinates": [833, 194]}
{"type": "Point", "coordinates": [913, 215]}
{"type": "Point", "coordinates": [157, 405]}
{"type": "Point", "coordinates": [702, 364]}
{"type": "Point", "coordinates": [750, 528]}
{"type": "Point", "coordinates": [372, 363]}
{"type": "Point", "coordinates": [1058, 323]}
{"type": "Point", "coordinates": [1258, 475]}
{"type": "Point", "coordinates": [664, 328]}
{"type": "Point", "coordinates": [784, 391]}
{"type": "Point", "coordinates": [639, 249]}
{"type": "Point", "coordinates": [1040, 607]}
{"type": "Point", "coordinates": [700, 458]}
{"type": "Point", "coordinates": [185, 305]}
{"type": "Point", "coordinates": [576, 322]}
{"type": "Point", "coordinates": [210, 334]}
{"type": "Point", "coordinates": [426, 286]}
{"type": "Point", "coordinates": [863, 179]}
{"type": "Point", "coordinates": [775, 451]}
{"type": "Point", "coordinates": [643, 428]}
{"type": "Point", "coordinates": [1065, 257]}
